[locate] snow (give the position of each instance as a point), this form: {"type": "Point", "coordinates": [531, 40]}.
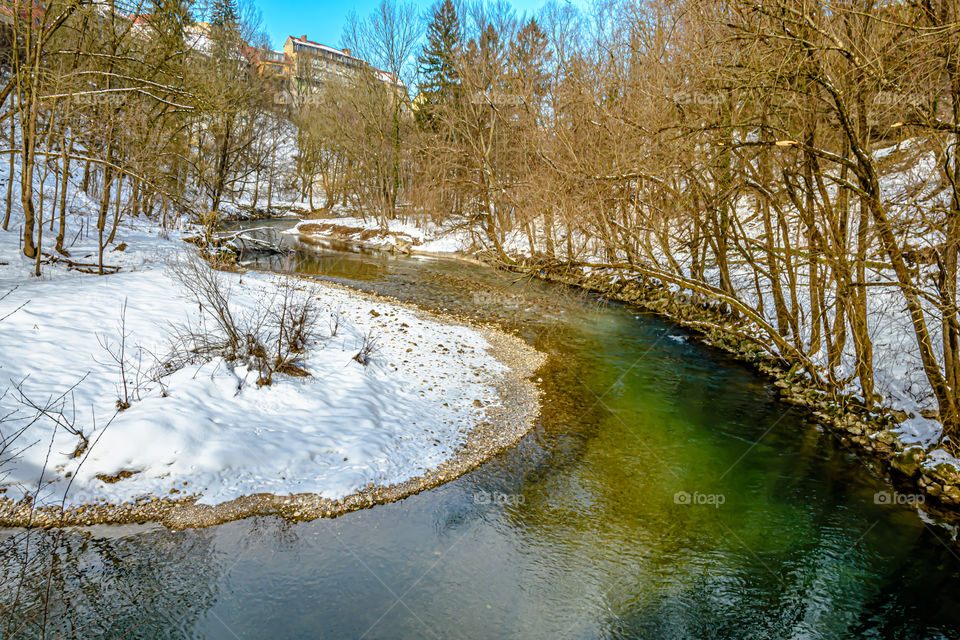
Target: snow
{"type": "Point", "coordinates": [428, 239]}
{"type": "Point", "coordinates": [455, 241]}
{"type": "Point", "coordinates": [919, 430]}
{"type": "Point", "coordinates": [939, 456]}
{"type": "Point", "coordinates": [941, 460]}
{"type": "Point", "coordinates": [208, 429]}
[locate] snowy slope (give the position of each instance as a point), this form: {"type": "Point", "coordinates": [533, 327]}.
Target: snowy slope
{"type": "Point", "coordinates": [208, 429]}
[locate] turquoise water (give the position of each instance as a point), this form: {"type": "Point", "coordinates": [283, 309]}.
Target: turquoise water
{"type": "Point", "coordinates": [665, 493]}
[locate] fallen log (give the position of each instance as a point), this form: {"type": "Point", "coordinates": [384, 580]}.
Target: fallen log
{"type": "Point", "coordinates": [85, 267]}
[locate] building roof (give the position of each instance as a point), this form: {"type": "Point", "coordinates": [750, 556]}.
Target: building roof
{"type": "Point", "coordinates": [384, 76]}
{"type": "Point", "coordinates": [316, 45]}
{"type": "Point", "coordinates": [141, 18]}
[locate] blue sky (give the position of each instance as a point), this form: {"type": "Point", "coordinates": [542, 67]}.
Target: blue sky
{"type": "Point", "coordinates": [322, 20]}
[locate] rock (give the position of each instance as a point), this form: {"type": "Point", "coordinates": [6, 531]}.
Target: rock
{"type": "Point", "coordinates": [951, 494]}
{"type": "Point", "coordinates": [908, 462]}
{"type": "Point", "coordinates": [885, 437]}
{"type": "Point", "coordinates": [899, 416]}
{"type": "Point", "coordinates": [930, 414]}
{"type": "Point", "coordinates": [945, 473]}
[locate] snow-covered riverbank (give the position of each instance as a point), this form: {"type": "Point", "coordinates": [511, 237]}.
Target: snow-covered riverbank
{"type": "Point", "coordinates": [402, 237]}
{"type": "Point", "coordinates": [208, 429]}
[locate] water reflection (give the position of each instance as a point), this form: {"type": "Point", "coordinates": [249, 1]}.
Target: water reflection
{"type": "Point", "coordinates": [585, 535]}
{"type": "Point", "coordinates": [131, 582]}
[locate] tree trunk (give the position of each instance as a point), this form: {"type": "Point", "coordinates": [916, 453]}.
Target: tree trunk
{"type": "Point", "coordinates": [11, 166]}
{"type": "Point", "coordinates": [102, 215]}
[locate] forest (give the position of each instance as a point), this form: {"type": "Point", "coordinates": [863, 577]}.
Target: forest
{"type": "Point", "coordinates": [790, 163]}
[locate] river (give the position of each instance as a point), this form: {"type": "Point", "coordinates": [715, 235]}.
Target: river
{"type": "Point", "coordinates": [665, 493]}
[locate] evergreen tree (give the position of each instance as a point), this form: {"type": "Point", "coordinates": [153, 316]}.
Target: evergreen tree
{"type": "Point", "coordinates": [226, 38]}
{"type": "Point", "coordinates": [529, 56]}
{"type": "Point", "coordinates": [437, 63]}
{"type": "Point", "coordinates": [224, 14]}
{"type": "Point", "coordinates": [170, 18]}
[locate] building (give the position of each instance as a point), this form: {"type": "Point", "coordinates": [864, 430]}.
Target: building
{"type": "Point", "coordinates": [26, 9]}
{"type": "Point", "coordinates": [312, 64]}
{"type": "Point", "coordinates": [198, 38]}
{"type": "Point", "coordinates": [272, 65]}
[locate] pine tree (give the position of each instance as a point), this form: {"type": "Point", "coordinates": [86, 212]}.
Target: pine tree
{"type": "Point", "coordinates": [437, 63]}
{"type": "Point", "coordinates": [224, 14]}
{"type": "Point", "coordinates": [170, 18]}
{"type": "Point", "coordinates": [225, 35]}
{"type": "Point", "coordinates": [529, 54]}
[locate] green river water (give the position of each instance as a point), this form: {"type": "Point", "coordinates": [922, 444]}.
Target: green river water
{"type": "Point", "coordinates": [664, 493]}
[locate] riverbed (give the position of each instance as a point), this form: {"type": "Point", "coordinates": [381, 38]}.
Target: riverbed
{"type": "Point", "coordinates": [665, 492]}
